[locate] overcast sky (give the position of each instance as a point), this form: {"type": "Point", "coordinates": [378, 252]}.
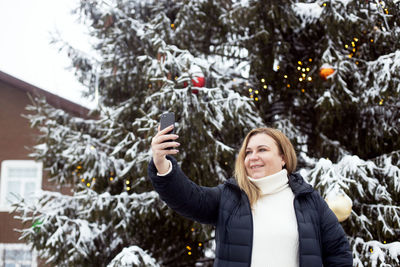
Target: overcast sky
{"type": "Point", "coordinates": [25, 49]}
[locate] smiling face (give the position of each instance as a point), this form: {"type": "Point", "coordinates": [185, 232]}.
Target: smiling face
{"type": "Point", "coordinates": [262, 156]}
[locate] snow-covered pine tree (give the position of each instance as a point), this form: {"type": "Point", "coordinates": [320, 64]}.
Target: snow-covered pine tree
{"type": "Point", "coordinates": [327, 73]}
{"type": "Point", "coordinates": [113, 216]}
{"type": "Point", "coordinates": [272, 51]}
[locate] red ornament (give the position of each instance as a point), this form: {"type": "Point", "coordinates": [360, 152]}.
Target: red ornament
{"type": "Point", "coordinates": [196, 82]}
{"type": "Point", "coordinates": [198, 78]}
{"type": "Point", "coordinates": [199, 82]}
{"type": "Point", "coordinates": [325, 71]}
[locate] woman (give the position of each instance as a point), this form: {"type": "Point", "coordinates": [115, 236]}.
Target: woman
{"type": "Point", "coordinates": [267, 216]}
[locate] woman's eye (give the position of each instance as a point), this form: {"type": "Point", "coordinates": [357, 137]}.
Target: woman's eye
{"type": "Point", "coordinates": [262, 149]}
{"type": "Point", "coordinates": [248, 152]}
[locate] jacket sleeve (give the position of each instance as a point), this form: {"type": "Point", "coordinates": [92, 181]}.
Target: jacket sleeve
{"type": "Point", "coordinates": [192, 201]}
{"type": "Point", "coordinates": [335, 245]}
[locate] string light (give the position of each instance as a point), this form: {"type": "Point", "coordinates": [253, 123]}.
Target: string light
{"type": "Point", "coordinates": [111, 178]}
{"type": "Point", "coordinates": [127, 182]}
{"type": "Point", "coordinates": [128, 188]}
{"type": "Point", "coordinates": [346, 46]}
{"type": "Point", "coordinates": [188, 248]}
{"type": "Point", "coordinates": [200, 244]}
{"type": "Point", "coordinates": [372, 40]}
{"type": "Point", "coordinates": [381, 102]}
{"type": "Point", "coordinates": [250, 90]}
{"type": "Point", "coordinates": [192, 229]}
{"type": "Point", "coordinates": [88, 184]}
{"type": "Point", "coordinates": [302, 68]}
{"type": "Point", "coordinates": [189, 253]}
{"type": "Point", "coordinates": [172, 26]}
{"type": "Point", "coordinates": [83, 180]}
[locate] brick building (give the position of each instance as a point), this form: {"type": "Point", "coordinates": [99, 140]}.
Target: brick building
{"type": "Point", "coordinates": [19, 173]}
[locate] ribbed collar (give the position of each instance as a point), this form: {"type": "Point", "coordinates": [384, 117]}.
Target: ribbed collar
{"type": "Point", "coordinates": [273, 183]}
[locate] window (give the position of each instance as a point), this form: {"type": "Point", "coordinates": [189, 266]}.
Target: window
{"type": "Point", "coordinates": [19, 178]}
{"type": "Point", "coordinates": [17, 255]}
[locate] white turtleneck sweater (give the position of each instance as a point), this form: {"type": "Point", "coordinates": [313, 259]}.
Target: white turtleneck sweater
{"type": "Point", "coordinates": [275, 232]}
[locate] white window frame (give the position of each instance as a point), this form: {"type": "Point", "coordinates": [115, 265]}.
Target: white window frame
{"type": "Point", "coordinates": [17, 262]}
{"type": "Point", "coordinates": [5, 165]}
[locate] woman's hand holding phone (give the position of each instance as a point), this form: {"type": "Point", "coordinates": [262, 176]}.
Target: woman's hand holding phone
{"type": "Point", "coordinates": [160, 148]}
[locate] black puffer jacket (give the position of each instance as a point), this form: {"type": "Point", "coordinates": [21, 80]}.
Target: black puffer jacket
{"type": "Point", "coordinates": [322, 241]}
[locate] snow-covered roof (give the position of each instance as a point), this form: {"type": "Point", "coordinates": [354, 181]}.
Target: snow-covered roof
{"type": "Point", "coordinates": [54, 100]}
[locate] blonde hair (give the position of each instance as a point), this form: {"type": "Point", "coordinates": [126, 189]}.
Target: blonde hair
{"type": "Point", "coordinates": [285, 149]}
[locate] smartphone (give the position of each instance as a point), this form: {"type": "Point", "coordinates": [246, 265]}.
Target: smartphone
{"type": "Point", "coordinates": [166, 120]}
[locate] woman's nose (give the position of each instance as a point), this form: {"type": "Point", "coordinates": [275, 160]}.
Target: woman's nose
{"type": "Point", "coordinates": [253, 156]}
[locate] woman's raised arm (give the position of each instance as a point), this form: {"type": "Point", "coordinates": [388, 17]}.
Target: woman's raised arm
{"type": "Point", "coordinates": [195, 202]}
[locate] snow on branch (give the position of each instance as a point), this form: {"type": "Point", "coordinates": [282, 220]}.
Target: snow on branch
{"type": "Point", "coordinates": [351, 171]}
{"type": "Point", "coordinates": [338, 177]}
{"type": "Point", "coordinates": [372, 185]}
{"type": "Point", "coordinates": [378, 253]}
{"type": "Point", "coordinates": [384, 76]}
{"type": "Point", "coordinates": [391, 168]}
{"type": "Point", "coordinates": [388, 215]}
{"type": "Point", "coordinates": [120, 207]}
{"type": "Point", "coordinates": [133, 256]}
{"type": "Point", "coordinates": [71, 221]}
{"type": "Point", "coordinates": [308, 12]}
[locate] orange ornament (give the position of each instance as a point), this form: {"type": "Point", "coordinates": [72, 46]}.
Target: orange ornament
{"type": "Point", "coordinates": [325, 71]}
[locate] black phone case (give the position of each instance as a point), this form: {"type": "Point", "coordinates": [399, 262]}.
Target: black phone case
{"type": "Point", "coordinates": [166, 120]}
